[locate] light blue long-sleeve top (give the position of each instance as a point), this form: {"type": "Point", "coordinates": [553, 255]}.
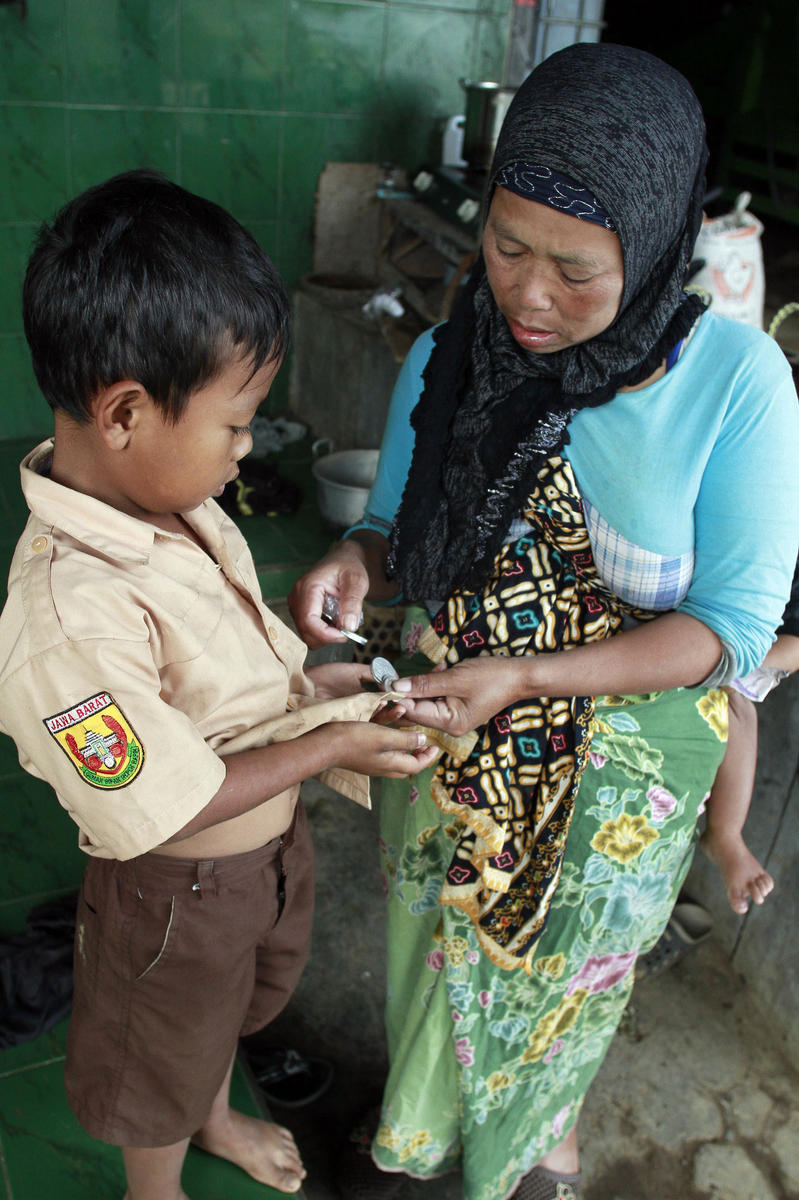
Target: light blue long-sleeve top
{"type": "Point", "coordinates": [705, 461]}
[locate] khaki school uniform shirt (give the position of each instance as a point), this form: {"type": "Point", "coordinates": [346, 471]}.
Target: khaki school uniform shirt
{"type": "Point", "coordinates": [132, 661]}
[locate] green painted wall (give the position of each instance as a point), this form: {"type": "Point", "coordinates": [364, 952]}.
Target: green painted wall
{"type": "Point", "coordinates": [243, 101]}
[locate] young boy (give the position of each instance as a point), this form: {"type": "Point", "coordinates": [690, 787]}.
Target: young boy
{"type": "Point", "coordinates": [731, 794]}
{"type": "Point", "coordinates": [143, 677]}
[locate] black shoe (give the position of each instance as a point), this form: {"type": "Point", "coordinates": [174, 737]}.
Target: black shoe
{"type": "Point", "coordinates": [287, 1078]}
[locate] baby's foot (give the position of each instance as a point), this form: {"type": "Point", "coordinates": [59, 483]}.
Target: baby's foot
{"type": "Point", "coordinates": [743, 875]}
{"type": "Point", "coordinates": [266, 1151]}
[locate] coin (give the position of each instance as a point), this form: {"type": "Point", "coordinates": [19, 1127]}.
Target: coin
{"type": "Point", "coordinates": [383, 673]}
{"type": "Point", "coordinates": [354, 637]}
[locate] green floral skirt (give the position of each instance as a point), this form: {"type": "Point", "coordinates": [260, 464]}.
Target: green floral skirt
{"type": "Point", "coordinates": [489, 1067]}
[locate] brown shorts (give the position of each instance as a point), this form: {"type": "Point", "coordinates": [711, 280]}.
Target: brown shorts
{"type": "Point", "coordinates": [175, 959]}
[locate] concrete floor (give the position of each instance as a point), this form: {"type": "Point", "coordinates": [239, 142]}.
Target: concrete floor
{"type": "Point", "coordinates": [695, 1100]}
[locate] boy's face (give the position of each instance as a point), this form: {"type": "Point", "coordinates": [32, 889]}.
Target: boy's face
{"type": "Point", "coordinates": [177, 467]}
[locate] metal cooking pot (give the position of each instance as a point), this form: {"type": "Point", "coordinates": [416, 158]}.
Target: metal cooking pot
{"type": "Point", "coordinates": [343, 482]}
{"type": "Point", "coordinates": [486, 105]}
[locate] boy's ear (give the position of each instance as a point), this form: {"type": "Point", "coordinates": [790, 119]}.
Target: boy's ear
{"type": "Point", "coordinates": [118, 410]}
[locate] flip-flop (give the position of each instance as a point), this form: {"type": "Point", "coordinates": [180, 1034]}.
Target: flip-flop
{"type": "Point", "coordinates": [543, 1184]}
{"type": "Point", "coordinates": [688, 926]}
{"type": "Point", "coordinates": [692, 922]}
{"type": "Point", "coordinates": [260, 491]}
{"type": "Point", "coordinates": [287, 1078]}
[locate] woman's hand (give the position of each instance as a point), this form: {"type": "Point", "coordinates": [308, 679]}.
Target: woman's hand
{"type": "Point", "coordinates": [343, 574]}
{"type": "Point", "coordinates": [350, 571]}
{"type": "Point", "coordinates": [461, 698]}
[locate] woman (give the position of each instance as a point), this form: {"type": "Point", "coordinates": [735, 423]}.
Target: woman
{"type": "Point", "coordinates": [581, 459]}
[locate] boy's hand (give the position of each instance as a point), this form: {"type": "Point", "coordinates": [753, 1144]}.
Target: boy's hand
{"type": "Point", "coordinates": [375, 749]}
{"type": "Point", "coordinates": [335, 679]}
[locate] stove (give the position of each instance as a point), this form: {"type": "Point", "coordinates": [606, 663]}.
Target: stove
{"type": "Point", "coordinates": [455, 193]}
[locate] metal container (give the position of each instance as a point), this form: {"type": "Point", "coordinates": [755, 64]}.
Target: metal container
{"type": "Point", "coordinates": [343, 482]}
{"type": "Point", "coordinates": [486, 105]}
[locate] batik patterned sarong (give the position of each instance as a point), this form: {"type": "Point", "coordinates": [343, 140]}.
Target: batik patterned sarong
{"type": "Point", "coordinates": [513, 797]}
{"type": "Point", "coordinates": [489, 1066]}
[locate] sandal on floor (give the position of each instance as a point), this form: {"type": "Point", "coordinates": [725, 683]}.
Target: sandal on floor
{"type": "Point", "coordinates": [260, 491]}
{"type": "Point", "coordinates": [543, 1184]}
{"type": "Point", "coordinates": [287, 1078]}
{"type": "Point", "coordinates": [689, 924]}
{"type": "Point", "coordinates": [357, 1176]}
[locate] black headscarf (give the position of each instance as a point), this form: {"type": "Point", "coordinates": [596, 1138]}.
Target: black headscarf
{"type": "Point", "coordinates": [625, 125]}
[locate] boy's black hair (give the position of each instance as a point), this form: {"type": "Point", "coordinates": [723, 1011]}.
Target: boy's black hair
{"type": "Point", "coordinates": [137, 278]}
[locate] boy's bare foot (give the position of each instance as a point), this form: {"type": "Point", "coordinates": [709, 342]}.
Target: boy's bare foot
{"type": "Point", "coordinates": [743, 875]}
{"type": "Point", "coordinates": [181, 1195]}
{"type": "Point", "coordinates": [266, 1151]}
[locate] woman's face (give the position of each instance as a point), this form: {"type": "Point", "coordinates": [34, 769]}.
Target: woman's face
{"type": "Point", "coordinates": [557, 281]}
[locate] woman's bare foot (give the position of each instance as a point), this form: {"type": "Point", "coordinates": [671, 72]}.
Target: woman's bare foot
{"type": "Point", "coordinates": [266, 1151]}
{"type": "Point", "coordinates": [743, 875]}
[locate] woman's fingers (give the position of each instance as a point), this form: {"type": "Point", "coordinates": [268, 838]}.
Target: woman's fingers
{"type": "Point", "coordinates": [342, 576]}
{"type": "Point", "coordinates": [462, 697]}
{"type": "Point", "coordinates": [305, 602]}
{"type": "Point", "coordinates": [437, 699]}
{"type": "Point", "coordinates": [447, 713]}
{"type": "Point", "coordinates": [353, 585]}
{"type": "Point", "coordinates": [420, 686]}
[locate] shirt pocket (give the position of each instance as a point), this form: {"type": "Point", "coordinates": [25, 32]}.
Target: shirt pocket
{"type": "Point", "coordinates": [182, 634]}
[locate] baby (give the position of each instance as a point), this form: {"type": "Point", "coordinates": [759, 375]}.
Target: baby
{"type": "Point", "coordinates": [728, 804]}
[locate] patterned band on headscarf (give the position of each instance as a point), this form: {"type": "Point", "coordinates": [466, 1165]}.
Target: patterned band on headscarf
{"type": "Point", "coordinates": [546, 186]}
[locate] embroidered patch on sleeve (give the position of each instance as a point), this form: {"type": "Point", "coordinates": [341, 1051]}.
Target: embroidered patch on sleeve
{"type": "Point", "coordinates": [99, 741]}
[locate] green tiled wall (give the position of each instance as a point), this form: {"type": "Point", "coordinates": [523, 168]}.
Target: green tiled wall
{"type": "Point", "coordinates": [242, 101]}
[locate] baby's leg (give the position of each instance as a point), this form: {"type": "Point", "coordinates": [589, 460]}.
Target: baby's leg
{"type": "Point", "coordinates": [784, 654]}
{"type": "Point", "coordinates": [264, 1150]}
{"type": "Point", "coordinates": [728, 805]}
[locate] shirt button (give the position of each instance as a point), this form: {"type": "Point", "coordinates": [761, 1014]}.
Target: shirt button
{"type": "Point", "coordinates": [272, 633]}
{"type": "Point", "coordinates": [38, 544]}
